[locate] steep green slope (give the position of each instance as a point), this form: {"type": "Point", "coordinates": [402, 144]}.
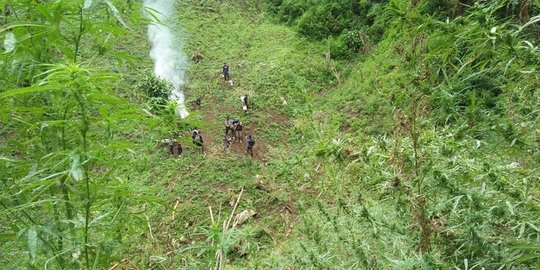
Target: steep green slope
{"type": "Point", "coordinates": [426, 151]}
{"type": "Point", "coordinates": [270, 63]}
{"type": "Point", "coordinates": [390, 153]}
{"type": "Point", "coordinates": [392, 140]}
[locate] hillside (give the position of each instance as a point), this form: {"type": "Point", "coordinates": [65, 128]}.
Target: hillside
{"type": "Point", "coordinates": [389, 135]}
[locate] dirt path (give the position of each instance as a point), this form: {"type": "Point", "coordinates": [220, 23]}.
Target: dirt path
{"type": "Point", "coordinates": [214, 130]}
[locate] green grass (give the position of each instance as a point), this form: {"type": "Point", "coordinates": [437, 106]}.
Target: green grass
{"type": "Point", "coordinates": [338, 180]}
{"type": "Point", "coordinates": [268, 61]}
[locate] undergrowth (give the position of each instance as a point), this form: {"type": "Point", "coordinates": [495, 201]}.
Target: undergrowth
{"type": "Point", "coordinates": [409, 146]}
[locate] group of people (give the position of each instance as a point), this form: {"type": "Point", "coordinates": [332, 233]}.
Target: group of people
{"type": "Point", "coordinates": [234, 132]}
{"type": "Point", "coordinates": [234, 126]}
{"type": "Point", "coordinates": [234, 129]}
{"type": "Point", "coordinates": [175, 147]}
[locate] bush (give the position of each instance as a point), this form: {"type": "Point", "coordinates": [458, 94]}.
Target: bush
{"type": "Point", "coordinates": [321, 21]}
{"type": "Point", "coordinates": [156, 89]}
{"type": "Point", "coordinates": [338, 48]}
{"type": "Point", "coordinates": [356, 40]}
{"type": "Point", "coordinates": [442, 7]}
{"type": "Point", "coordinates": [345, 23]}
{"type": "Point", "coordinates": [289, 10]}
{"type": "Point", "coordinates": [317, 19]}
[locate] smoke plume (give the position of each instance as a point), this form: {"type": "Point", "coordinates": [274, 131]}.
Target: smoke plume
{"type": "Point", "coordinates": [166, 51]}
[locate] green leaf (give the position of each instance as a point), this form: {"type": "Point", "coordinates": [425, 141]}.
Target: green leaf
{"type": "Point", "coordinates": [44, 12]}
{"type": "Point", "coordinates": [32, 242]}
{"type": "Point", "coordinates": [7, 236]}
{"type": "Point", "coordinates": [15, 228]}
{"type": "Point", "coordinates": [533, 226]}
{"type": "Point", "coordinates": [76, 171]}
{"type": "Point", "coordinates": [532, 21]}
{"type": "Point", "coordinates": [87, 4]}
{"type": "Point", "coordinates": [97, 219]}
{"type": "Point", "coordinates": [456, 203]}
{"type": "Point", "coordinates": [510, 208]}
{"type": "Point", "coordinates": [26, 90]}
{"type": "Point", "coordinates": [11, 26]}
{"type": "Point", "coordinates": [115, 12]}
{"type": "Point", "coordinates": [525, 246]}
{"type": "Point", "coordinates": [7, 159]}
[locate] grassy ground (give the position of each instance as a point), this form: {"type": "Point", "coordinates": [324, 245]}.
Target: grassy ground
{"type": "Point", "coordinates": [332, 181]}
{"type": "Point", "coordinates": [351, 169]}
{"type": "Point", "coordinates": [360, 164]}
{"type": "Point", "coordinates": [270, 63]}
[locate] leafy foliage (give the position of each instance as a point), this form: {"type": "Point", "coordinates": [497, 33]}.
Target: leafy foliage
{"type": "Point", "coordinates": [155, 87]}
{"type": "Point", "coordinates": [339, 21]}
{"type": "Point", "coordinates": [62, 185]}
{"type": "Point", "coordinates": [157, 90]}
{"type": "Point", "coordinates": [420, 153]}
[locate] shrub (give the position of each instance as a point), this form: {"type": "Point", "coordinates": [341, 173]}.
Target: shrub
{"type": "Point", "coordinates": [338, 48]}
{"type": "Point", "coordinates": [443, 7]}
{"type": "Point", "coordinates": [156, 89]}
{"type": "Point", "coordinates": [321, 21]}
{"type": "Point", "coordinates": [289, 10]}
{"type": "Point", "coordinates": [356, 40]}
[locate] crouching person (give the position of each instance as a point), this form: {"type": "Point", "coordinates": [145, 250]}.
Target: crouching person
{"type": "Point", "coordinates": [175, 148]}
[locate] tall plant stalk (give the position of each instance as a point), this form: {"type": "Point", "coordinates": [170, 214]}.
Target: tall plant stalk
{"type": "Point", "coordinates": [88, 200]}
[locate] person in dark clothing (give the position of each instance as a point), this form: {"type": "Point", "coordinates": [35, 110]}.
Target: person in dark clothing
{"type": "Point", "coordinates": [245, 105]}
{"type": "Point", "coordinates": [198, 141]}
{"type": "Point", "coordinates": [233, 128]}
{"type": "Point", "coordinates": [194, 133]}
{"type": "Point", "coordinates": [175, 148]}
{"type": "Point", "coordinates": [228, 126]}
{"type": "Point", "coordinates": [250, 143]}
{"type": "Point", "coordinates": [197, 102]}
{"type": "Point", "coordinates": [226, 72]}
{"type": "Point", "coordinates": [238, 130]}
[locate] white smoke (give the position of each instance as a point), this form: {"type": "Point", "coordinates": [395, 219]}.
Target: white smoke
{"type": "Point", "coordinates": [169, 60]}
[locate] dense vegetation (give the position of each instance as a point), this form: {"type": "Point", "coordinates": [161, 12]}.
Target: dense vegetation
{"type": "Point", "coordinates": [399, 134]}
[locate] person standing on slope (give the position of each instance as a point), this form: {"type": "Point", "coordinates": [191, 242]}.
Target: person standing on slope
{"type": "Point", "coordinates": [199, 143]}
{"type": "Point", "coordinates": [197, 140]}
{"type": "Point", "coordinates": [238, 130]}
{"type": "Point", "coordinates": [226, 72]}
{"type": "Point", "coordinates": [250, 143]}
{"type": "Point", "coordinates": [235, 122]}
{"type": "Point", "coordinates": [194, 133]}
{"type": "Point", "coordinates": [245, 105]}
